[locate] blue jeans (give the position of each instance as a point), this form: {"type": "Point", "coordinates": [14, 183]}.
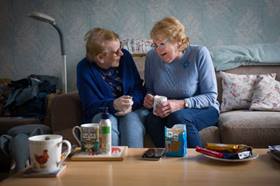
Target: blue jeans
{"type": "Point", "coordinates": [127, 130]}
{"type": "Point", "coordinates": [194, 119]}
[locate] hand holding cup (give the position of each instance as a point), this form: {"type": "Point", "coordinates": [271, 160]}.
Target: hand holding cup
{"type": "Point", "coordinates": [158, 100]}
{"type": "Point", "coordinates": [123, 104]}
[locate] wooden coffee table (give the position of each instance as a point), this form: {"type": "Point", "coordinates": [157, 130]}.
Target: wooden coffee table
{"type": "Point", "coordinates": [195, 169]}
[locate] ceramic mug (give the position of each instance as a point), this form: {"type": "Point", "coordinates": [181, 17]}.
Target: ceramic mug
{"type": "Point", "coordinates": [87, 136]}
{"type": "Point", "coordinates": [46, 152]}
{"type": "Point", "coordinates": [158, 100]}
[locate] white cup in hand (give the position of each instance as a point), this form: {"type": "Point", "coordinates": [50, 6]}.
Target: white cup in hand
{"type": "Point", "coordinates": [129, 102]}
{"type": "Point", "coordinates": [126, 107]}
{"type": "Point", "coordinates": [158, 100]}
{"type": "Point", "coordinates": [123, 103]}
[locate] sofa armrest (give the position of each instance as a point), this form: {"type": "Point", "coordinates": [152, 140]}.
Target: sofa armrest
{"type": "Point", "coordinates": [65, 111]}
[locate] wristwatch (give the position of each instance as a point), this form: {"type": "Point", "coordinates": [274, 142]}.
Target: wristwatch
{"type": "Point", "coordinates": [186, 103]}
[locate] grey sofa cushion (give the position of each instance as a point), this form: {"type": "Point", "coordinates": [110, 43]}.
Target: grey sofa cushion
{"type": "Point", "coordinates": [255, 128]}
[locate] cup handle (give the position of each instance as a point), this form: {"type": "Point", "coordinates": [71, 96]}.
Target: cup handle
{"type": "Point", "coordinates": [66, 152]}
{"type": "Point", "coordinates": [75, 134]}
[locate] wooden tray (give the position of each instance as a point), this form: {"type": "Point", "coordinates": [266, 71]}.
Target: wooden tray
{"type": "Point", "coordinates": [118, 154]}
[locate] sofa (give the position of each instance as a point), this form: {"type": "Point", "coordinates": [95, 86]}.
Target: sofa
{"type": "Point", "coordinates": [255, 128]}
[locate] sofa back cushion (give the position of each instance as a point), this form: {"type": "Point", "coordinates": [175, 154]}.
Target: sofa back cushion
{"type": "Point", "coordinates": [66, 111]}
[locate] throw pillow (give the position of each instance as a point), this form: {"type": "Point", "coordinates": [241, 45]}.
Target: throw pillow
{"type": "Point", "coordinates": [266, 95]}
{"type": "Point", "coordinates": [238, 90]}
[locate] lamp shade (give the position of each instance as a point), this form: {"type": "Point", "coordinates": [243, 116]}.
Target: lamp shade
{"type": "Point", "coordinates": [42, 17]}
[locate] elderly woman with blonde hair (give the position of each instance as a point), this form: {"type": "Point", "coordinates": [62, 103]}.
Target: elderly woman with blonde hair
{"type": "Point", "coordinates": [183, 73]}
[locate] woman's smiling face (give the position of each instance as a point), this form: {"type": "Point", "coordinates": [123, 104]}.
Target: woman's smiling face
{"type": "Point", "coordinates": [167, 50]}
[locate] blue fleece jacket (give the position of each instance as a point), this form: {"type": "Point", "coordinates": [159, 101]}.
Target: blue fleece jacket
{"type": "Point", "coordinates": [95, 93]}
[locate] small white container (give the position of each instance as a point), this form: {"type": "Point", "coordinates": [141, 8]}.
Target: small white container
{"type": "Point", "coordinates": [158, 100]}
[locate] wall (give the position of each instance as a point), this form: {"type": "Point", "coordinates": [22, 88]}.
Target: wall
{"type": "Point", "coordinates": [28, 46]}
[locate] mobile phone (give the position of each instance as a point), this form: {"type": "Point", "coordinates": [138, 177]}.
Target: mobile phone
{"type": "Point", "coordinates": [153, 154]}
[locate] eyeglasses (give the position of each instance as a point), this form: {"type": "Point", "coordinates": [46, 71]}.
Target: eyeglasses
{"type": "Point", "coordinates": [118, 52]}
{"type": "Point", "coordinates": [160, 45]}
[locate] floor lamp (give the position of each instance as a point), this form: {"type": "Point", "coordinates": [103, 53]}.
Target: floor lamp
{"type": "Point", "coordinates": [47, 19]}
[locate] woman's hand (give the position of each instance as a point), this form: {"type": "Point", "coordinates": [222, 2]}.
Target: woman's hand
{"type": "Point", "coordinates": [123, 103]}
{"type": "Point", "coordinates": [165, 108]}
{"type": "Point", "coordinates": [148, 101]}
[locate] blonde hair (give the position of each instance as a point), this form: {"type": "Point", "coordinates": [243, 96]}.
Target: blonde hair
{"type": "Point", "coordinates": [173, 29]}
{"type": "Point", "coordinates": [95, 39]}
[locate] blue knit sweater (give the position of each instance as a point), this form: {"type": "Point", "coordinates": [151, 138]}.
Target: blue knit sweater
{"type": "Point", "coordinates": [191, 77]}
{"type": "Point", "coordinates": [95, 93]}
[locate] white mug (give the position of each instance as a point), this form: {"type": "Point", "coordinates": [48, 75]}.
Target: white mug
{"type": "Point", "coordinates": [158, 100]}
{"type": "Point", "coordinates": [46, 152]}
